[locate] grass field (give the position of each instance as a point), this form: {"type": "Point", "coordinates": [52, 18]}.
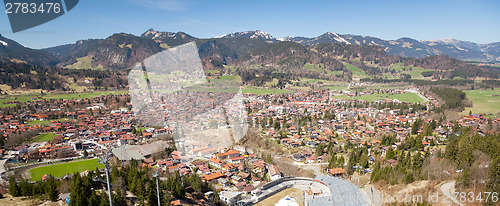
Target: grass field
{"type": "Point", "coordinates": [314, 67]}
{"type": "Point", "coordinates": [308, 80]}
{"type": "Point", "coordinates": [416, 73]}
{"type": "Point", "coordinates": [356, 72]}
{"type": "Point", "coordinates": [25, 98]}
{"type": "Point", "coordinates": [217, 89]}
{"type": "Point", "coordinates": [338, 87]}
{"type": "Point", "coordinates": [262, 91]}
{"type": "Point", "coordinates": [39, 122]}
{"type": "Point", "coordinates": [280, 195]}
{"type": "Point", "coordinates": [386, 86]}
{"type": "Point", "coordinates": [7, 105]}
{"type": "Point", "coordinates": [334, 73]}
{"type": "Point", "coordinates": [44, 123]}
{"type": "Point", "coordinates": [83, 63]}
{"type": "Point", "coordinates": [235, 78]}
{"type": "Point", "coordinates": [44, 137]}
{"type": "Point", "coordinates": [406, 97]}
{"type": "Point", "coordinates": [59, 170]}
{"type": "Point", "coordinates": [483, 101]}
{"type": "Point", "coordinates": [271, 83]}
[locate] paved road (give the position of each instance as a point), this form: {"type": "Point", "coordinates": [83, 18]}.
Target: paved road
{"type": "Point", "coordinates": [419, 94]}
{"type": "Point", "coordinates": [372, 199]}
{"type": "Point", "coordinates": [447, 189]}
{"type": "Point", "coordinates": [2, 162]}
{"type": "Point", "coordinates": [3, 170]}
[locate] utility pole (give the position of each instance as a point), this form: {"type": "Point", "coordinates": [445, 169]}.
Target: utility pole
{"type": "Point", "coordinates": [156, 174]}
{"type": "Point", "coordinates": [104, 160]}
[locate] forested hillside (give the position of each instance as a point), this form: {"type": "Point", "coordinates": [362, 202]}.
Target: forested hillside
{"type": "Point", "coordinates": [25, 76]}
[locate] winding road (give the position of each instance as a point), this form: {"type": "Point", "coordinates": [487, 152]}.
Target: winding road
{"type": "Point", "coordinates": [447, 189]}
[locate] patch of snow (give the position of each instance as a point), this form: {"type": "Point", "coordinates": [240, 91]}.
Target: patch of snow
{"type": "Point", "coordinates": [221, 36]}
{"type": "Point", "coordinates": [339, 38]}
{"type": "Point", "coordinates": [461, 48]}
{"type": "Point", "coordinates": [4, 43]}
{"type": "Point", "coordinates": [442, 41]}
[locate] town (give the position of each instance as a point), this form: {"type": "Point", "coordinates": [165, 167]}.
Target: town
{"type": "Point", "coordinates": [323, 134]}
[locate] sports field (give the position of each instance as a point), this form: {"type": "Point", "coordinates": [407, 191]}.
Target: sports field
{"type": "Point", "coordinates": [483, 101]}
{"type": "Point", "coordinates": [59, 170]}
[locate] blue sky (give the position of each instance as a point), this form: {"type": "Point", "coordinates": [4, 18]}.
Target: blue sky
{"type": "Point", "coordinates": [475, 20]}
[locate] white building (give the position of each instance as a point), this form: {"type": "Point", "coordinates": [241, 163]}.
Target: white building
{"type": "Point", "coordinates": [230, 198]}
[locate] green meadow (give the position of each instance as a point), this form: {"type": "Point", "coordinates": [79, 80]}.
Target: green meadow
{"type": "Point", "coordinates": [356, 72]}
{"type": "Point", "coordinates": [483, 101]}
{"type": "Point", "coordinates": [25, 98]}
{"type": "Point", "coordinates": [262, 91]}
{"type": "Point", "coordinates": [406, 97]}
{"type": "Point", "coordinates": [44, 137]}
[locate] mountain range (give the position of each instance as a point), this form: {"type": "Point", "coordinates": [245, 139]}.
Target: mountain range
{"type": "Point", "coordinates": [121, 51]}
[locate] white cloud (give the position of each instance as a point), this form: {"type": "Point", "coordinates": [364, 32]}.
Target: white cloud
{"type": "Point", "coordinates": [171, 5]}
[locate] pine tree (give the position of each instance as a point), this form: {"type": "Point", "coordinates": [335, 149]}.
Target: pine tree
{"type": "Point", "coordinates": [14, 189]}
{"type": "Point", "coordinates": [416, 126]}
{"type": "Point", "coordinates": [118, 199]}
{"type": "Point", "coordinates": [493, 184]}
{"type": "Point", "coordinates": [389, 154]}
{"type": "Point", "coordinates": [417, 161]}
{"type": "Point", "coordinates": [25, 188]}
{"type": "Point", "coordinates": [104, 200]}
{"type": "Point", "coordinates": [276, 125]}
{"type": "Point", "coordinates": [152, 198]}
{"type": "Point", "coordinates": [464, 179]}
{"type": "Point", "coordinates": [333, 161]}
{"type": "Point", "coordinates": [94, 199]}
{"type": "Point", "coordinates": [51, 189]}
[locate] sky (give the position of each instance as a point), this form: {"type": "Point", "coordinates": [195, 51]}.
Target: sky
{"type": "Point", "coordinates": [474, 20]}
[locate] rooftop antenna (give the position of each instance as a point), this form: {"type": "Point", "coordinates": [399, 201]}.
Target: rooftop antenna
{"type": "Point", "coordinates": [104, 160]}
{"type": "Point", "coordinates": [156, 174]}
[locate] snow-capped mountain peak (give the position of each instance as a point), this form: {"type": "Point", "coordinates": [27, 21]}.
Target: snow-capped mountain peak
{"type": "Point", "coordinates": [249, 34]}
{"type": "Point", "coordinates": [151, 33]}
